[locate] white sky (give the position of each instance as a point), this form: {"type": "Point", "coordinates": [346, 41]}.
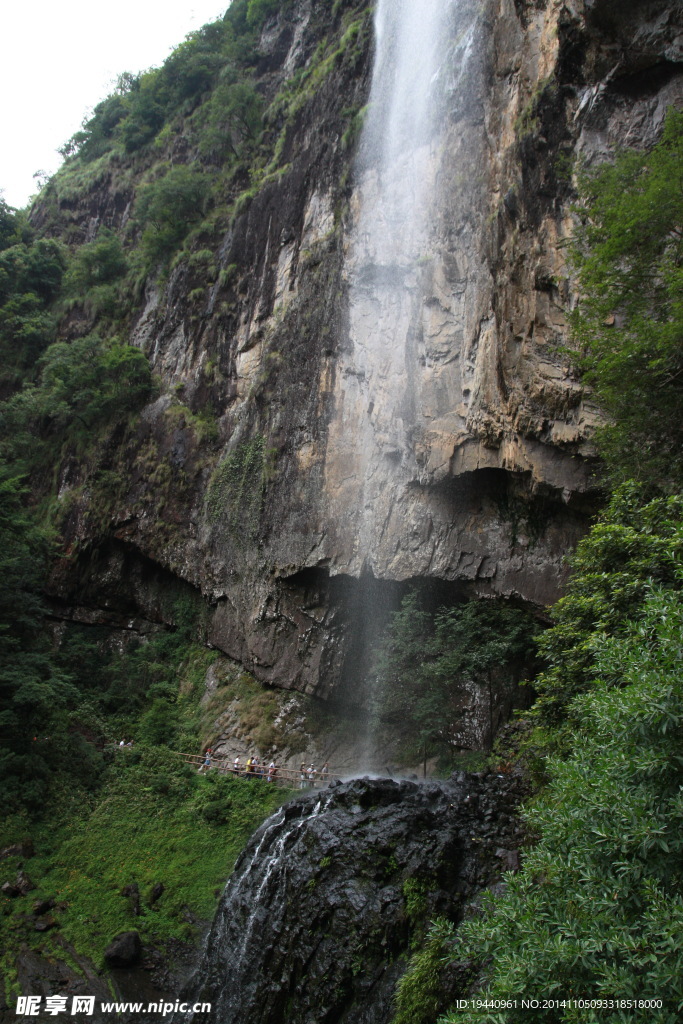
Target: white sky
{"type": "Point", "coordinates": [61, 57]}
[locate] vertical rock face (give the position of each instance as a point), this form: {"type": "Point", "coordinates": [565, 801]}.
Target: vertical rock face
{"type": "Point", "coordinates": [459, 450]}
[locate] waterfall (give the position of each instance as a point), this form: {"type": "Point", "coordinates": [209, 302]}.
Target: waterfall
{"type": "Point", "coordinates": [406, 103]}
{"type": "Point", "coordinates": [421, 61]}
{"type": "Point", "coordinates": [400, 375]}
{"type": "Point", "coordinates": [252, 914]}
{"type": "Point", "coordinates": [314, 925]}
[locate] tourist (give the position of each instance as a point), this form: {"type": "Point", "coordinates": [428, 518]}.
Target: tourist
{"type": "Point", "coordinates": [324, 773]}
{"type": "Point", "coordinates": [272, 771]}
{"type": "Point", "coordinates": [302, 776]}
{"type": "Point", "coordinates": [311, 775]}
{"type": "Point", "coordinates": [236, 766]}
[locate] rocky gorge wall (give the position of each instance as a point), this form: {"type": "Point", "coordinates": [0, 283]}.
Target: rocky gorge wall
{"type": "Point", "coordinates": [483, 480]}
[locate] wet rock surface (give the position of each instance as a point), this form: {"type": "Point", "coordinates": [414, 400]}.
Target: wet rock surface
{"type": "Point", "coordinates": [316, 921]}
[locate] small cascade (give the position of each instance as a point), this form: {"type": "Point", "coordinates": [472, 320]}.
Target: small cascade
{"type": "Point", "coordinates": [316, 921]}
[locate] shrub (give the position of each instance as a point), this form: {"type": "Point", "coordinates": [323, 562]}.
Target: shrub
{"type": "Point", "coordinates": [235, 491]}
{"type": "Point", "coordinates": [96, 263]}
{"type": "Point", "coordinates": [634, 542]}
{"type": "Point", "coordinates": [258, 11]}
{"type": "Point", "coordinates": [168, 207]}
{"type": "Point", "coordinates": [598, 907]}
{"type": "Point", "coordinates": [427, 660]}
{"type": "Point", "coordinates": [627, 250]}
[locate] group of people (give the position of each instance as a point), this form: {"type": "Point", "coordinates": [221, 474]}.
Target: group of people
{"type": "Point", "coordinates": [308, 775]}
{"type": "Point", "coordinates": [255, 768]}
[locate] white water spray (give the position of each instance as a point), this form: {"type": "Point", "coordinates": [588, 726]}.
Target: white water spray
{"type": "Point", "coordinates": [388, 387]}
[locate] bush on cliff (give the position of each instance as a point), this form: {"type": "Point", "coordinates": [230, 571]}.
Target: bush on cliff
{"type": "Point", "coordinates": [31, 273]}
{"type": "Point", "coordinates": [34, 692]}
{"type": "Point", "coordinates": [84, 386]}
{"type": "Point", "coordinates": [168, 207]}
{"type": "Point", "coordinates": [430, 659]}
{"type": "Point", "coordinates": [634, 543]}
{"type": "Point", "coordinates": [628, 251]}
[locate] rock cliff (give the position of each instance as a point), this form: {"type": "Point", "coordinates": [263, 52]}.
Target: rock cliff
{"type": "Point", "coordinates": [325, 486]}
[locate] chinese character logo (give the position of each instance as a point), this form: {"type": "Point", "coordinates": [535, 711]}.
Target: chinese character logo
{"type": "Point", "coordinates": [82, 1004]}
{"type": "Point", "coordinates": [28, 1006]}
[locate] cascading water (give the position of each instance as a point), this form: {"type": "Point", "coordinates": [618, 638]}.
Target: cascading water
{"type": "Point", "coordinates": [315, 925]}
{"type": "Point", "coordinates": [422, 64]}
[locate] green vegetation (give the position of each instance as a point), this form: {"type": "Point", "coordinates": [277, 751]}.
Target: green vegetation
{"type": "Point", "coordinates": [31, 272]}
{"type": "Point", "coordinates": [235, 491]}
{"type": "Point", "coordinates": [84, 388]}
{"type": "Point", "coordinates": [34, 693]}
{"type": "Point", "coordinates": [143, 104]}
{"type": "Point", "coordinates": [634, 544]}
{"type": "Point", "coordinates": [628, 251]}
{"type": "Point", "coordinates": [256, 711]}
{"type": "Point", "coordinates": [103, 817]}
{"type": "Point", "coordinates": [419, 994]}
{"type": "Point", "coordinates": [258, 11]}
{"type": "Point", "coordinates": [182, 149]}
{"type": "Point", "coordinates": [168, 207]}
{"type": "Point", "coordinates": [155, 820]}
{"type": "Point", "coordinates": [429, 660]}
{"type": "Point", "coordinates": [599, 906]}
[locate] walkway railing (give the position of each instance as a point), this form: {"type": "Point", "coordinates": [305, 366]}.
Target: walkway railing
{"type": "Point", "coordinates": [294, 778]}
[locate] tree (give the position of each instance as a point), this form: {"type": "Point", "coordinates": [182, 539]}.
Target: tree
{"type": "Point", "coordinates": [33, 693]}
{"type": "Point", "coordinates": [84, 385]}
{"type": "Point", "coordinates": [628, 252]}
{"type": "Point", "coordinates": [634, 542]}
{"type": "Point", "coordinates": [233, 119]}
{"type": "Point", "coordinates": [167, 207]}
{"type": "Point", "coordinates": [428, 661]}
{"type": "Point", "coordinates": [31, 275]}
{"type": "Point", "coordinates": [598, 906]}
{"type": "Point", "coordinates": [258, 11]}
{"type": "Point", "coordinates": [96, 263]}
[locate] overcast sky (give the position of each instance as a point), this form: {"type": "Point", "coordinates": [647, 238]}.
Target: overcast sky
{"type": "Point", "coordinates": [61, 57]}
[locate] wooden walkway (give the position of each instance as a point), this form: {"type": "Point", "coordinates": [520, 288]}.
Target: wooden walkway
{"type": "Point", "coordinates": [291, 777]}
